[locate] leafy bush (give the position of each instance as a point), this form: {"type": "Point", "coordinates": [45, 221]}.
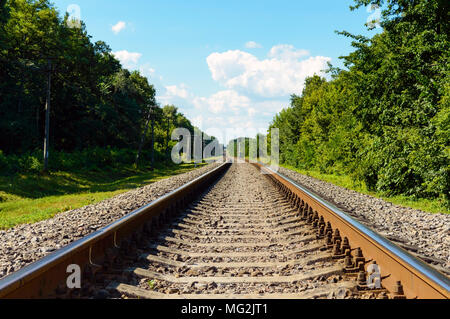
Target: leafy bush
{"type": "Point", "coordinates": [89, 159]}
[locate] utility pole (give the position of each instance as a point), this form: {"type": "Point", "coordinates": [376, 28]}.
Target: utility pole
{"type": "Point", "coordinates": [153, 138]}
{"type": "Point", "coordinates": [47, 115]}
{"type": "Point", "coordinates": [144, 134]}
{"type": "Point", "coordinates": [167, 135]}
{"type": "Point", "coordinates": [150, 118]}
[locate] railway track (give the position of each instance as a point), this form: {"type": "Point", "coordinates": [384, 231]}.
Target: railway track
{"type": "Point", "coordinates": [233, 233]}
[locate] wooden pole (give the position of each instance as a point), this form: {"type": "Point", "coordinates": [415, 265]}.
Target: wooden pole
{"type": "Point", "coordinates": [167, 136]}
{"type": "Point", "coordinates": [143, 136]}
{"type": "Point", "coordinates": [153, 142]}
{"type": "Point", "coordinates": [47, 117]}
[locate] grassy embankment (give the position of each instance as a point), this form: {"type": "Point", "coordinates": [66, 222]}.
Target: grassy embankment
{"type": "Point", "coordinates": [427, 205]}
{"type": "Point", "coordinates": [32, 197]}
{"type": "Point", "coordinates": [437, 205]}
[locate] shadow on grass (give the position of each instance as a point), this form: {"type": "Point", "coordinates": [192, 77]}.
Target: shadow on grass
{"type": "Point", "coordinates": [34, 186]}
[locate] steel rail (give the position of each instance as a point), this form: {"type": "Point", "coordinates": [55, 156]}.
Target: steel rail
{"type": "Point", "coordinates": [419, 280]}
{"type": "Point", "coordinates": [41, 278]}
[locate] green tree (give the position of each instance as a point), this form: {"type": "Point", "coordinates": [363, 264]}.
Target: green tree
{"type": "Point", "coordinates": [169, 117]}
{"type": "Point", "coordinates": [385, 120]}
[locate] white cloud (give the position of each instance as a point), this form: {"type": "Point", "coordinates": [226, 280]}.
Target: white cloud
{"type": "Point", "coordinates": [227, 113]}
{"type": "Point", "coordinates": [175, 91]}
{"type": "Point", "coordinates": [178, 95]}
{"type": "Point", "coordinates": [251, 111]}
{"type": "Point", "coordinates": [198, 121]}
{"type": "Point", "coordinates": [128, 59]}
{"type": "Point", "coordinates": [229, 127]}
{"type": "Point", "coordinates": [282, 74]}
{"type": "Point", "coordinates": [254, 90]}
{"type": "Point", "coordinates": [286, 52]}
{"type": "Point", "coordinates": [147, 70]}
{"type": "Point", "coordinates": [253, 45]}
{"type": "Point", "coordinates": [119, 26]}
{"type": "Point", "coordinates": [222, 102]}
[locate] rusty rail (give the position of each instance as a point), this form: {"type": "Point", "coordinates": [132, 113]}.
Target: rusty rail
{"type": "Point", "coordinates": [40, 279]}
{"type": "Point", "coordinates": [397, 266]}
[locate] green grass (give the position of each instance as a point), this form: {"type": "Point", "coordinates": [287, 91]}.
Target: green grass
{"type": "Point", "coordinates": [151, 284]}
{"type": "Point", "coordinates": [426, 205]}
{"type": "Point", "coordinates": [29, 198]}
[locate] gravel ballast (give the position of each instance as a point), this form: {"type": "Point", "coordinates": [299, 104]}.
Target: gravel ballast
{"type": "Point", "coordinates": [233, 241]}
{"type": "Point", "coordinates": [420, 232]}
{"type": "Point", "coordinates": [426, 234]}
{"type": "Point", "coordinates": [24, 244]}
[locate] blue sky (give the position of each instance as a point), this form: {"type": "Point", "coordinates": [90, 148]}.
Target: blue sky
{"type": "Point", "coordinates": [229, 66]}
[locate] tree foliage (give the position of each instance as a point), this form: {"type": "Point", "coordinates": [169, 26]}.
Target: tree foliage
{"type": "Point", "coordinates": [384, 120]}
{"type": "Point", "coordinates": [95, 101]}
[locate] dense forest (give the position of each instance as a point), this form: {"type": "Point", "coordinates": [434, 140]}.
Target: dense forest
{"type": "Point", "coordinates": [99, 110]}
{"type": "Point", "coordinates": [385, 119]}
